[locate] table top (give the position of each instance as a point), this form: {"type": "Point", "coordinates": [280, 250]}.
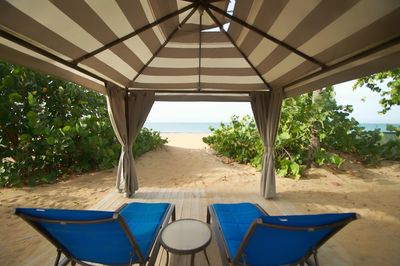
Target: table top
{"type": "Point", "coordinates": [186, 236]}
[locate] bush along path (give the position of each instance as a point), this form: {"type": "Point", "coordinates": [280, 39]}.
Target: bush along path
{"type": "Point", "coordinates": [50, 128]}
{"type": "Point", "coordinates": [305, 119]}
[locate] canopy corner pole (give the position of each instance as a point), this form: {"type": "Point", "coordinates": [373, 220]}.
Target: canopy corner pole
{"type": "Point", "coordinates": [237, 47]}
{"type": "Point", "coordinates": [267, 36]}
{"type": "Point", "coordinates": [132, 34]}
{"type": "Point", "coordinates": [201, 10]}
{"type": "Point", "coordinates": [131, 83]}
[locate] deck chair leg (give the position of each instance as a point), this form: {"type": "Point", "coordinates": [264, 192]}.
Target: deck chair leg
{"type": "Point", "coordinates": [316, 258]}
{"type": "Point", "coordinates": [154, 253]}
{"type": "Point", "coordinates": [208, 216]}
{"type": "Point", "coordinates": [167, 262]}
{"type": "Point", "coordinates": [312, 261]}
{"type": "Point", "coordinates": [192, 259]}
{"type": "Point", "coordinates": [64, 262]}
{"type": "Point", "coordinates": [58, 257]}
{"type": "Point", "coordinates": [205, 254]}
{"type": "Point", "coordinates": [173, 217]}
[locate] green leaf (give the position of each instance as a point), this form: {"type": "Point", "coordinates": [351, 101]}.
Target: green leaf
{"type": "Point", "coordinates": [25, 137]}
{"type": "Point", "coordinates": [285, 135]}
{"type": "Point", "coordinates": [15, 97]}
{"type": "Point", "coordinates": [31, 98]}
{"type": "Point", "coordinates": [32, 118]}
{"type": "Point", "coordinates": [295, 169]}
{"type": "Point", "coordinates": [66, 129]}
{"type": "Point", "coordinates": [77, 128]}
{"type": "Point", "coordinates": [51, 140]}
{"type": "Point", "coordinates": [283, 172]}
{"type": "Point", "coordinates": [336, 160]}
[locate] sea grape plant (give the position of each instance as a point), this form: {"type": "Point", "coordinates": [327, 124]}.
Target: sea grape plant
{"type": "Point", "coordinates": [301, 117]}
{"type": "Point", "coordinates": [49, 128]}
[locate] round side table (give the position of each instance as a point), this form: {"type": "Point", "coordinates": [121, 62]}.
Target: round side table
{"type": "Point", "coordinates": [186, 236]}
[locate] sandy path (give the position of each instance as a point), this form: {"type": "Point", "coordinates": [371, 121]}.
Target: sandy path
{"type": "Point", "coordinates": [187, 162]}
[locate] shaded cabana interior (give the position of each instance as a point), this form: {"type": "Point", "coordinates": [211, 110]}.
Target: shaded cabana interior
{"type": "Point", "coordinates": [136, 52]}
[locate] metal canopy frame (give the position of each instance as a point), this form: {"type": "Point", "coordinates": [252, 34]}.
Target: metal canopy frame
{"type": "Point", "coordinates": [211, 10]}
{"type": "Point", "coordinates": [266, 35]}
{"type": "Point", "coordinates": [133, 34]}
{"type": "Point", "coordinates": [237, 47]}
{"type": "Point", "coordinates": [163, 45]}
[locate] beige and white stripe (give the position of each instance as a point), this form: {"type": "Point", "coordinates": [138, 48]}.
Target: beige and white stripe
{"type": "Point", "coordinates": [327, 31]}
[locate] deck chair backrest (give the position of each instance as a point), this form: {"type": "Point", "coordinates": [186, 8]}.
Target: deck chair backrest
{"type": "Point", "coordinates": [286, 240]}
{"type": "Point", "coordinates": [94, 236]}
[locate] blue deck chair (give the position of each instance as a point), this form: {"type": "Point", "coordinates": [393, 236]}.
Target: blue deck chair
{"type": "Point", "coordinates": [247, 235]}
{"type": "Point", "coordinates": [123, 237]}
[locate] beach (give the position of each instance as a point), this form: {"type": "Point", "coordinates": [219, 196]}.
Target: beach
{"type": "Point", "coordinates": [186, 162]}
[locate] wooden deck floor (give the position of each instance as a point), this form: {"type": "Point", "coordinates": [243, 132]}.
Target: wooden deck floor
{"type": "Point", "coordinates": [191, 203]}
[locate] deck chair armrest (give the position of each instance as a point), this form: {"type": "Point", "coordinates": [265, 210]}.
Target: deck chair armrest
{"type": "Point", "coordinates": [246, 239]}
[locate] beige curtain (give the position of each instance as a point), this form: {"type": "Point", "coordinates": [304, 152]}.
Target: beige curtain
{"type": "Point", "coordinates": [267, 109]}
{"type": "Point", "coordinates": [128, 112]}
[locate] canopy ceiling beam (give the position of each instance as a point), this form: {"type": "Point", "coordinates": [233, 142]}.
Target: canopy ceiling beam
{"type": "Point", "coordinates": [237, 47]}
{"type": "Point", "coordinates": [202, 97]}
{"type": "Point", "coordinates": [266, 35]}
{"type": "Point", "coordinates": [132, 82]}
{"type": "Point", "coordinates": [133, 34]}
{"type": "Point", "coordinates": [47, 54]}
{"type": "Point", "coordinates": [361, 55]}
{"type": "Point", "coordinates": [195, 91]}
{"type": "Point", "coordinates": [210, 1]}
{"type": "Point", "coordinates": [201, 10]}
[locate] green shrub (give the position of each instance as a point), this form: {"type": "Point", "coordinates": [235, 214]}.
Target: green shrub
{"type": "Point", "coordinates": [49, 128]}
{"type": "Point", "coordinates": [391, 149]}
{"type": "Point", "coordinates": [301, 117]}
{"type": "Point", "coordinates": [146, 141]}
{"type": "Point", "coordinates": [238, 140]}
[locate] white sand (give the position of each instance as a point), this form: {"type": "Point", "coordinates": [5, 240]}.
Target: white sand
{"type": "Point", "coordinates": [187, 162]}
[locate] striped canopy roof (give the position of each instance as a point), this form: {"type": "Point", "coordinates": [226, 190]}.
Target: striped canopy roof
{"type": "Point", "coordinates": [203, 45]}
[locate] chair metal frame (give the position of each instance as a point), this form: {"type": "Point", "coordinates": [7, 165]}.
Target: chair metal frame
{"type": "Point", "coordinates": [61, 250]}
{"type": "Point", "coordinates": [309, 258]}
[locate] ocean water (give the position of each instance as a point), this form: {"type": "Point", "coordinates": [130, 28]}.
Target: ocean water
{"type": "Point", "coordinates": [382, 127]}
{"type": "Point", "coordinates": [204, 127]}
{"type": "Point", "coordinates": [182, 127]}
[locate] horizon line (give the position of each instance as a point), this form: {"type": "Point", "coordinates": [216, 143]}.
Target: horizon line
{"type": "Point", "coordinates": [200, 122]}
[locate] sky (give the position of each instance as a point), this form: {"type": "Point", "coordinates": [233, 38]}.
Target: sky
{"type": "Point", "coordinates": [364, 111]}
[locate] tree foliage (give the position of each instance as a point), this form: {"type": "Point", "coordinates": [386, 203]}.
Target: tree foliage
{"type": "Point", "coordinates": [49, 127]}
{"type": "Point", "coordinates": [337, 133]}
{"type": "Point", "coordinates": [374, 82]}
{"type": "Point", "coordinates": [238, 140]}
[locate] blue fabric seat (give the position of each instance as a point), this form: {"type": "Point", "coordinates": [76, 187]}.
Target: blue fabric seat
{"type": "Point", "coordinates": [143, 220]}
{"type": "Point", "coordinates": [111, 238]}
{"type": "Point", "coordinates": [252, 237]}
{"type": "Point", "coordinates": [235, 221]}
